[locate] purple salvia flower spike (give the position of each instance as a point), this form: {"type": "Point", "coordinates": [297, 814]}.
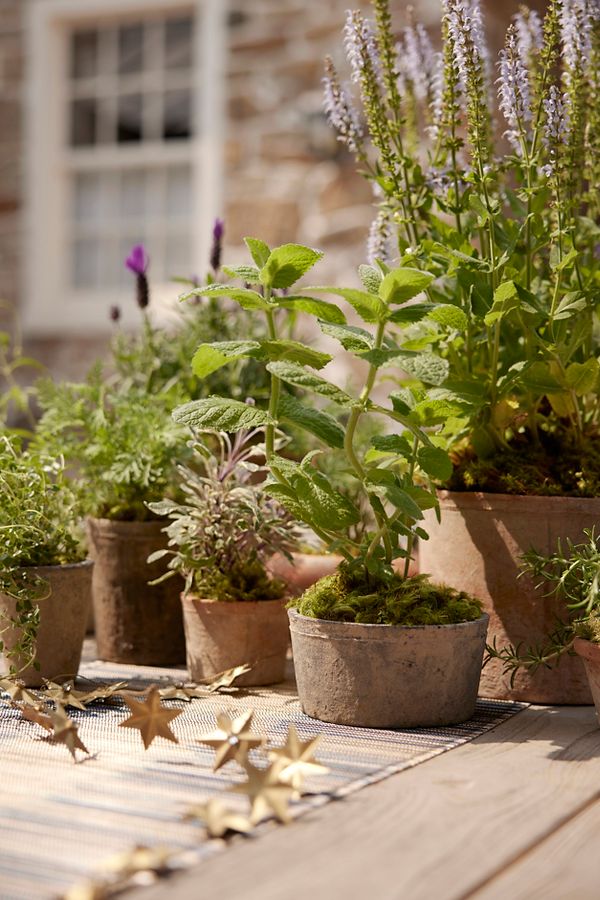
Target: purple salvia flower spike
{"type": "Point", "coordinates": [360, 42]}
{"type": "Point", "coordinates": [340, 110]}
{"type": "Point", "coordinates": [138, 260]}
{"type": "Point", "coordinates": [513, 89]}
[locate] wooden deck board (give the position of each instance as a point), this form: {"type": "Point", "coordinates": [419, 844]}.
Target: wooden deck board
{"type": "Point", "coordinates": [444, 829]}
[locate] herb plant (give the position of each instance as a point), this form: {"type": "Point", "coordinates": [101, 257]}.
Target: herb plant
{"type": "Point", "coordinates": [384, 475]}
{"type": "Point", "coordinates": [226, 528]}
{"type": "Point", "coordinates": [38, 527]}
{"type": "Point", "coordinates": [572, 574]}
{"type": "Point", "coordinates": [488, 176]}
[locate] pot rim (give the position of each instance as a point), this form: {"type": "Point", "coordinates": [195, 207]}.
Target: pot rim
{"type": "Point", "coordinates": [486, 500]}
{"type": "Point", "coordinates": [82, 564]}
{"type": "Point", "coordinates": [365, 626]}
{"type": "Point", "coordinates": [586, 648]}
{"type": "Point", "coordinates": [232, 604]}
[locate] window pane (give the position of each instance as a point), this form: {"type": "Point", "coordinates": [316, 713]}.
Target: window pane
{"type": "Point", "coordinates": [177, 115]}
{"type": "Point", "coordinates": [84, 54]}
{"type": "Point", "coordinates": [179, 191]}
{"type": "Point", "coordinates": [178, 43]}
{"type": "Point", "coordinates": [88, 197]}
{"type": "Point", "coordinates": [177, 256]}
{"type": "Point", "coordinates": [86, 263]}
{"type": "Point", "coordinates": [84, 122]}
{"type": "Point", "coordinates": [133, 195]}
{"type": "Point", "coordinates": [131, 48]}
{"type": "Point", "coordinates": [129, 118]}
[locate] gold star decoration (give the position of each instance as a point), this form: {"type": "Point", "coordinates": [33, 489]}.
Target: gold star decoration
{"type": "Point", "coordinates": [118, 871]}
{"type": "Point", "coordinates": [227, 678]}
{"type": "Point", "coordinates": [150, 718]}
{"type": "Point", "coordinates": [17, 692]}
{"type": "Point", "coordinates": [297, 759]}
{"type": "Point", "coordinates": [66, 695]}
{"type": "Point", "coordinates": [65, 732]}
{"type": "Point", "coordinates": [266, 792]}
{"type": "Point", "coordinates": [36, 714]}
{"type": "Point", "coordinates": [231, 740]}
{"type": "Point", "coordinates": [104, 691]}
{"type": "Point", "coordinates": [218, 819]}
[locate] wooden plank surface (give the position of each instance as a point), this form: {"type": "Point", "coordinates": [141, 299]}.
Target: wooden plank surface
{"type": "Point", "coordinates": [442, 829]}
{"type": "Point", "coordinates": [565, 866]}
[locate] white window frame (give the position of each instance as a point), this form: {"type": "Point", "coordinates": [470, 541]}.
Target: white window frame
{"type": "Point", "coordinates": [51, 307]}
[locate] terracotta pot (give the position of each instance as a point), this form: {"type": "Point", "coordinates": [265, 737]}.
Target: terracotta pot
{"type": "Point", "coordinates": [135, 622]}
{"type": "Point", "coordinates": [220, 635]}
{"type": "Point", "coordinates": [590, 654]}
{"type": "Point", "coordinates": [306, 569]}
{"type": "Point", "coordinates": [387, 676]}
{"type": "Point", "coordinates": [63, 618]}
{"type": "Point", "coordinates": [478, 548]}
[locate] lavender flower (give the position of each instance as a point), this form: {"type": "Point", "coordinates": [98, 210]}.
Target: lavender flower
{"type": "Point", "coordinates": [361, 45]}
{"type": "Point", "coordinates": [529, 32]}
{"type": "Point", "coordinates": [417, 61]}
{"type": "Point", "coordinates": [379, 239]}
{"type": "Point", "coordinates": [556, 126]}
{"type": "Point", "coordinates": [513, 89]}
{"type": "Point", "coordinates": [138, 262]}
{"type": "Point", "coordinates": [217, 244]}
{"type": "Point", "coordinates": [437, 96]}
{"type": "Point", "coordinates": [576, 26]}
{"type": "Point", "coordinates": [340, 110]}
{"type": "Point", "coordinates": [466, 33]}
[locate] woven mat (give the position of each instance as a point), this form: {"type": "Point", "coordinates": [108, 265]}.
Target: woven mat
{"type": "Point", "coordinates": [59, 821]}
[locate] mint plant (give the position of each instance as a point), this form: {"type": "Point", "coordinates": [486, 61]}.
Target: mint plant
{"type": "Point", "coordinates": [487, 176]}
{"type": "Point", "coordinates": [226, 528]}
{"type": "Point", "coordinates": [39, 527]}
{"type": "Point", "coordinates": [384, 475]}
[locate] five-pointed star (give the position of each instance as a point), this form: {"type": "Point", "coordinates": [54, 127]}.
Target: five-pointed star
{"type": "Point", "coordinates": [297, 759]}
{"type": "Point", "coordinates": [36, 714]}
{"type": "Point", "coordinates": [104, 691]}
{"type": "Point", "coordinates": [65, 732]}
{"type": "Point", "coordinates": [150, 718]}
{"type": "Point", "coordinates": [266, 792]}
{"type": "Point", "coordinates": [139, 859]}
{"type": "Point", "coordinates": [65, 694]}
{"type": "Point", "coordinates": [227, 678]}
{"type": "Point", "coordinates": [231, 740]}
{"type": "Point", "coordinates": [218, 819]}
{"type": "Point", "coordinates": [17, 692]}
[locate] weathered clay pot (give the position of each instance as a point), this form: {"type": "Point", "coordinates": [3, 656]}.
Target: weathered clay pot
{"type": "Point", "coordinates": [386, 676]}
{"type": "Point", "coordinates": [306, 569]}
{"type": "Point", "coordinates": [590, 654]}
{"type": "Point", "coordinates": [220, 635]}
{"type": "Point", "coordinates": [134, 621]}
{"type": "Point", "coordinates": [478, 548]}
{"type": "Point", "coordinates": [63, 618]}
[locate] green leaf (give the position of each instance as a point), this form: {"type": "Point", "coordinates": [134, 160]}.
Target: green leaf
{"type": "Point", "coordinates": [246, 298]}
{"type": "Point", "coordinates": [286, 264]}
{"type": "Point", "coordinates": [296, 375]}
{"type": "Point", "coordinates": [327, 312]}
{"type": "Point", "coordinates": [350, 337]}
{"type": "Point", "coordinates": [294, 351]}
{"type": "Point", "coordinates": [426, 367]}
{"type": "Point", "coordinates": [570, 305]}
{"type": "Point", "coordinates": [435, 462]}
{"type": "Point", "coordinates": [246, 273]}
{"type": "Point", "coordinates": [583, 377]}
{"type": "Point", "coordinates": [390, 487]}
{"type": "Point", "coordinates": [368, 306]}
{"type": "Point", "coordinates": [412, 312]}
{"type": "Point", "coordinates": [392, 443]}
{"type": "Point", "coordinates": [319, 423]}
{"type": "Point", "coordinates": [539, 379]}
{"type": "Point", "coordinates": [403, 284]}
{"type": "Point", "coordinates": [210, 357]}
{"type": "Point", "coordinates": [311, 498]}
{"type": "Point", "coordinates": [449, 316]}
{"type": "Point", "coordinates": [371, 278]}
{"type": "Point", "coordinates": [566, 261]}
{"type": "Point", "coordinates": [506, 298]}
{"type": "Point", "coordinates": [219, 414]}
{"type": "Point", "coordinates": [259, 251]}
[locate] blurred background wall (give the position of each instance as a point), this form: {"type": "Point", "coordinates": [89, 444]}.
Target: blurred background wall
{"type": "Point", "coordinates": [142, 120]}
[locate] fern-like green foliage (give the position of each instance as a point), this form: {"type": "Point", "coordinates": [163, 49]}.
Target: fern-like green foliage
{"type": "Point", "coordinates": [346, 597]}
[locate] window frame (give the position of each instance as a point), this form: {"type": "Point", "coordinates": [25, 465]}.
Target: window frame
{"type": "Point", "coordinates": [50, 306]}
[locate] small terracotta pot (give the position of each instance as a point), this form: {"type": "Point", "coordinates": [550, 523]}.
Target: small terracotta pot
{"type": "Point", "coordinates": [477, 547]}
{"type": "Point", "coordinates": [134, 621]}
{"type": "Point", "coordinates": [220, 635]}
{"type": "Point", "coordinates": [306, 569]}
{"type": "Point", "coordinates": [590, 654]}
{"type": "Point", "coordinates": [63, 618]}
{"type": "Point", "coordinates": [387, 676]}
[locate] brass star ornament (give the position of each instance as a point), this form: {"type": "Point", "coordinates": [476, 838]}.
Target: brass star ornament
{"type": "Point", "coordinates": [18, 692]}
{"type": "Point", "coordinates": [267, 793]}
{"type": "Point", "coordinates": [150, 718]}
{"type": "Point", "coordinates": [65, 732]}
{"type": "Point", "coordinates": [36, 714]}
{"type": "Point", "coordinates": [65, 694]}
{"type": "Point", "coordinates": [231, 740]}
{"type": "Point", "coordinates": [297, 759]}
{"type": "Point", "coordinates": [218, 819]}
{"type": "Point", "coordinates": [227, 678]}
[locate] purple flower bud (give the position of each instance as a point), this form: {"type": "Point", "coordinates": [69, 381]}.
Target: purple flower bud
{"type": "Point", "coordinates": [115, 313]}
{"type": "Point", "coordinates": [217, 245]}
{"type": "Point", "coordinates": [138, 260]}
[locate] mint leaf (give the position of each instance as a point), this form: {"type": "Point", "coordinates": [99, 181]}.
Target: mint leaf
{"type": "Point", "coordinates": [403, 284]}
{"type": "Point", "coordinates": [449, 316]}
{"type": "Point", "coordinates": [371, 278]}
{"type": "Point", "coordinates": [368, 306]}
{"type": "Point", "coordinates": [294, 351]}
{"type": "Point", "coordinates": [246, 273]}
{"type": "Point", "coordinates": [210, 357]}
{"type": "Point", "coordinates": [321, 424]}
{"type": "Point", "coordinates": [217, 414]}
{"type": "Point", "coordinates": [350, 337]}
{"type": "Point", "coordinates": [327, 312]}
{"type": "Point", "coordinates": [259, 251]}
{"type": "Point", "coordinates": [286, 264]}
{"type": "Point", "coordinates": [246, 298]}
{"type": "Point", "coordinates": [435, 462]}
{"type": "Point", "coordinates": [296, 375]}
{"type": "Point", "coordinates": [506, 298]}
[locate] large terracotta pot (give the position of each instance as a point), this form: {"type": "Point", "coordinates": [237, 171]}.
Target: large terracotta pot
{"type": "Point", "coordinates": [387, 676]}
{"type": "Point", "coordinates": [220, 635]}
{"type": "Point", "coordinates": [305, 570]}
{"type": "Point", "coordinates": [590, 654]}
{"type": "Point", "coordinates": [478, 548]}
{"type": "Point", "coordinates": [63, 618]}
{"type": "Point", "coordinates": [134, 621]}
